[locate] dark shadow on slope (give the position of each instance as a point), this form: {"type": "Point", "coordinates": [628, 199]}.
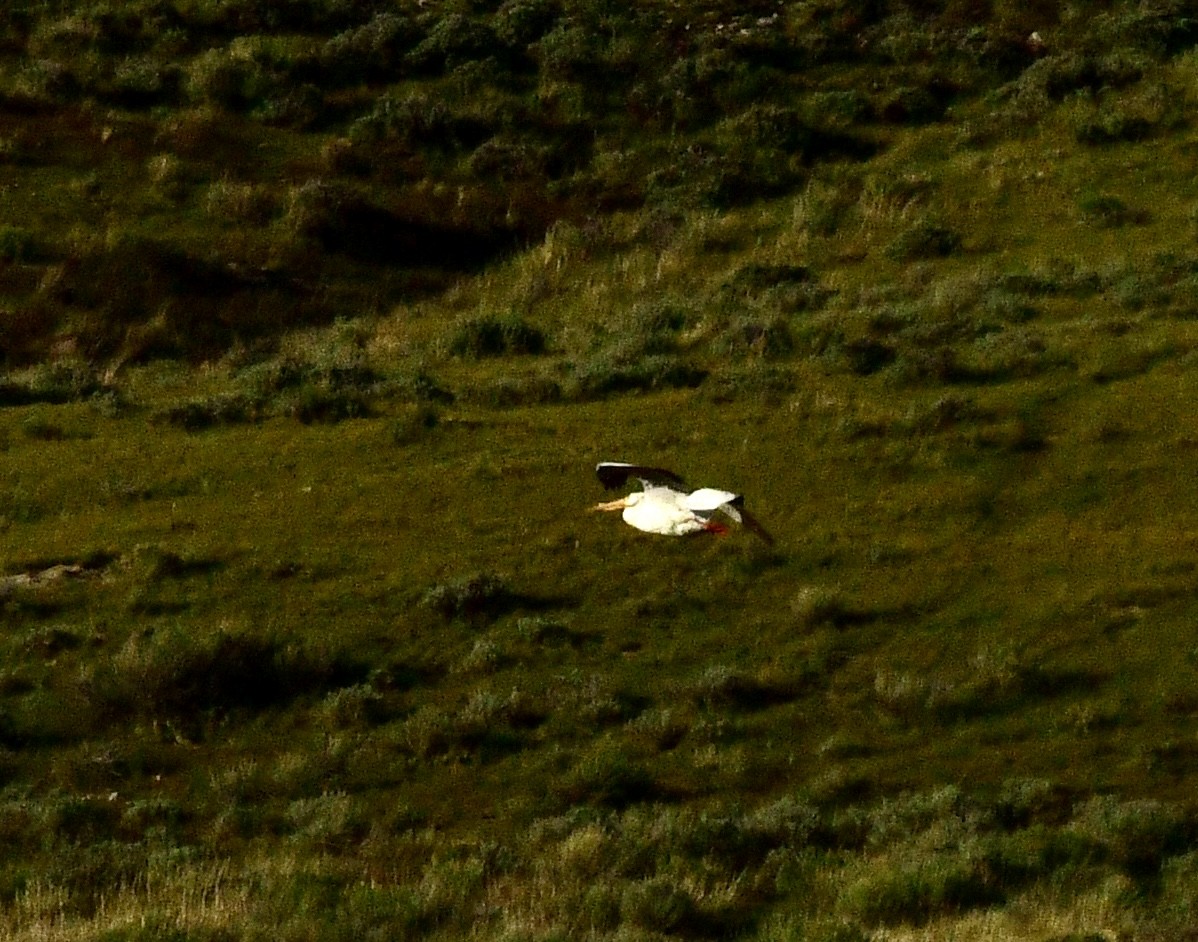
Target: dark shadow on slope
{"type": "Point", "coordinates": [372, 234]}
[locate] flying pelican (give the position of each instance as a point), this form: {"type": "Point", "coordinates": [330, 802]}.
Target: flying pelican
{"type": "Point", "coordinates": [663, 506]}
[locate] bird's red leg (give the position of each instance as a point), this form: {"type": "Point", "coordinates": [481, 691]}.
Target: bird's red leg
{"type": "Point", "coordinates": [717, 528]}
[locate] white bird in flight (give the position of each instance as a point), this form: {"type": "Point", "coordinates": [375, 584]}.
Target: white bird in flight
{"type": "Point", "coordinates": [662, 507]}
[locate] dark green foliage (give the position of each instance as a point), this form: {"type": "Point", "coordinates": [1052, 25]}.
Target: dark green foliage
{"type": "Point", "coordinates": [522, 391]}
{"type": "Point", "coordinates": [333, 384]}
{"type": "Point", "coordinates": [608, 778]}
{"type": "Point", "coordinates": [414, 424]}
{"type": "Point", "coordinates": [18, 244]}
{"type": "Point", "coordinates": [170, 675]}
{"type": "Point", "coordinates": [1110, 212]}
{"type": "Point", "coordinates": [614, 372]}
{"type": "Point", "coordinates": [520, 23]}
{"type": "Point", "coordinates": [658, 906]}
{"type": "Point", "coordinates": [50, 383]}
{"type": "Point", "coordinates": [420, 386]}
{"type": "Point", "coordinates": [476, 597]}
{"type": "Point", "coordinates": [924, 240]}
{"type": "Point", "coordinates": [867, 355]}
{"type": "Point", "coordinates": [453, 40]}
{"type": "Point", "coordinates": [1137, 835]}
{"type": "Point", "coordinates": [1110, 127]}
{"type": "Point", "coordinates": [756, 279]}
{"type": "Point", "coordinates": [371, 51]}
{"type": "Point", "coordinates": [201, 414]}
{"type": "Point", "coordinates": [919, 894]}
{"type": "Point", "coordinates": [491, 335]}
{"type": "Point", "coordinates": [722, 688]}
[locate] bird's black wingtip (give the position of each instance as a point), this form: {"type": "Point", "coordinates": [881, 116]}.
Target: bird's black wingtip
{"type": "Point", "coordinates": [614, 474]}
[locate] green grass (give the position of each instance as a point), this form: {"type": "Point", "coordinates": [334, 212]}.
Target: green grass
{"type": "Point", "coordinates": [306, 630]}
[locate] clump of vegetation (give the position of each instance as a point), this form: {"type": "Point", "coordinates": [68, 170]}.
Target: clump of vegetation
{"type": "Point", "coordinates": [479, 596]}
{"type": "Point", "coordinates": [50, 382]}
{"type": "Point", "coordinates": [490, 336]}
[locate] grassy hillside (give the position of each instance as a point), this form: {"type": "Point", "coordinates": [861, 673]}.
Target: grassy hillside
{"type": "Point", "coordinates": [315, 317]}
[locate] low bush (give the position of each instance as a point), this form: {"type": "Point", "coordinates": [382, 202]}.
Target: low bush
{"type": "Point", "coordinates": [508, 392]}
{"type": "Point", "coordinates": [53, 382]}
{"type": "Point", "coordinates": [755, 279]}
{"type": "Point", "coordinates": [613, 372]}
{"type": "Point", "coordinates": [924, 240]}
{"type": "Point", "coordinates": [199, 414]}
{"type": "Point", "coordinates": [1137, 834]}
{"type": "Point", "coordinates": [722, 687]}
{"type": "Point", "coordinates": [19, 244]}
{"type": "Point", "coordinates": [520, 23]}
{"type": "Point", "coordinates": [172, 674]}
{"type": "Point", "coordinates": [609, 777]}
{"type": "Point", "coordinates": [478, 597]}
{"type": "Point", "coordinates": [496, 335]}
{"type": "Point", "coordinates": [1110, 212]}
{"type": "Point", "coordinates": [488, 725]}
{"type": "Point", "coordinates": [324, 381]}
{"type": "Point", "coordinates": [917, 894]}
{"type": "Point", "coordinates": [315, 402]}
{"type": "Point", "coordinates": [658, 905]}
{"type": "Point", "coordinates": [758, 335]}
{"type": "Point", "coordinates": [241, 202]}
{"type": "Point", "coordinates": [371, 51]}
{"type": "Point", "coordinates": [414, 423]}
{"type": "Point", "coordinates": [454, 39]}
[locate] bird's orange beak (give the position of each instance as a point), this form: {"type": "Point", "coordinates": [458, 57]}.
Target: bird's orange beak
{"type": "Point", "coordinates": [611, 505]}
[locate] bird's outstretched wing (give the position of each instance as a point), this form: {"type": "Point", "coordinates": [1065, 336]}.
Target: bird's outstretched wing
{"type": "Point", "coordinates": [614, 474]}
{"type": "Point", "coordinates": [710, 499]}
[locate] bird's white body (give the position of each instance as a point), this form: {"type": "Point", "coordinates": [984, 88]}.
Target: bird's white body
{"type": "Point", "coordinates": [675, 513]}
{"type": "Point", "coordinates": [663, 508]}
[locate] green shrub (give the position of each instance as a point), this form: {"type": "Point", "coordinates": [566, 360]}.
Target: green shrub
{"type": "Point", "coordinates": [1113, 126]}
{"type": "Point", "coordinates": [354, 707]}
{"type": "Point", "coordinates": [453, 40]}
{"type": "Point", "coordinates": [658, 905]}
{"type": "Point", "coordinates": [520, 23]}
{"type": "Point", "coordinates": [172, 674]}
{"type": "Point", "coordinates": [314, 402]}
{"type": "Point", "coordinates": [763, 336]}
{"type": "Point", "coordinates": [924, 240]}
{"type": "Point", "coordinates": [491, 335]}
{"type": "Point", "coordinates": [916, 894]}
{"type": "Point", "coordinates": [1137, 834]}
{"type": "Point", "coordinates": [144, 81]}
{"type": "Point", "coordinates": [414, 424]}
{"type": "Point", "coordinates": [721, 687]}
{"type": "Point", "coordinates": [200, 414]}
{"type": "Point", "coordinates": [613, 372]}
{"type": "Point", "coordinates": [608, 777]}
{"type": "Point", "coordinates": [755, 279]}
{"type": "Point", "coordinates": [370, 52]}
{"type": "Point", "coordinates": [219, 77]}
{"type": "Point", "coordinates": [1110, 212]}
{"type": "Point", "coordinates": [419, 386]}
{"type": "Point", "coordinates": [481, 596]}
{"type": "Point", "coordinates": [54, 382]}
{"type": "Point", "coordinates": [488, 725]}
{"type": "Point", "coordinates": [241, 202]}
{"type": "Point", "coordinates": [18, 244]}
